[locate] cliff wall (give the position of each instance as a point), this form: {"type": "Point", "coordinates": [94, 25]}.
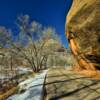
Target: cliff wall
{"type": "Point", "coordinates": [83, 33]}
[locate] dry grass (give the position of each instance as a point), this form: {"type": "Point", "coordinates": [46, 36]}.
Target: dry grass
{"type": "Point", "coordinates": [11, 91]}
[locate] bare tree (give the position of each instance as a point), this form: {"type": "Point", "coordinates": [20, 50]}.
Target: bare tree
{"type": "Point", "coordinates": [31, 42]}
{"type": "Point", "coordinates": [34, 37]}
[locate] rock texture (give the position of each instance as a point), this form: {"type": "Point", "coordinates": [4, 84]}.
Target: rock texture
{"type": "Point", "coordinates": [70, 86]}
{"type": "Point", "coordinates": [83, 33]}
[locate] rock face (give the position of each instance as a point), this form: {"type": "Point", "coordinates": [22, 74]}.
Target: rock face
{"type": "Point", "coordinates": [83, 33]}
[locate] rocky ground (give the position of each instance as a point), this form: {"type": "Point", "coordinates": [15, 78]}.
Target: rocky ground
{"type": "Point", "coordinates": [62, 84]}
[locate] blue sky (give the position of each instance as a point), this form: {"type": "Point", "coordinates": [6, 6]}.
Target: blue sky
{"type": "Point", "coordinates": [47, 12]}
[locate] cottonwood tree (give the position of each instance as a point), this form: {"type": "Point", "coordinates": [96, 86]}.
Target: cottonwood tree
{"type": "Point", "coordinates": [32, 40]}
{"type": "Point", "coordinates": [4, 37]}
{"type": "Point", "coordinates": [7, 66]}
{"type": "Point", "coordinates": [30, 44]}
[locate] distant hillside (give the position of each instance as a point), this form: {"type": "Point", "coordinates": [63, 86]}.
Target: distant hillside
{"type": "Point", "coordinates": [60, 55]}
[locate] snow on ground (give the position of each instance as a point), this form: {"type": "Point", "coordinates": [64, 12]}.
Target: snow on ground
{"type": "Point", "coordinates": [33, 88]}
{"type": "Point", "coordinates": [23, 70]}
{"type": "Point", "coordinates": [20, 69]}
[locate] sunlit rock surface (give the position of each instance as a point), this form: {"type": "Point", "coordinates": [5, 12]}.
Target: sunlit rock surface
{"type": "Point", "coordinates": [83, 33]}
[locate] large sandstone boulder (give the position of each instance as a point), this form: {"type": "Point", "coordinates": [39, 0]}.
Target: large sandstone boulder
{"type": "Point", "coordinates": [83, 33]}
